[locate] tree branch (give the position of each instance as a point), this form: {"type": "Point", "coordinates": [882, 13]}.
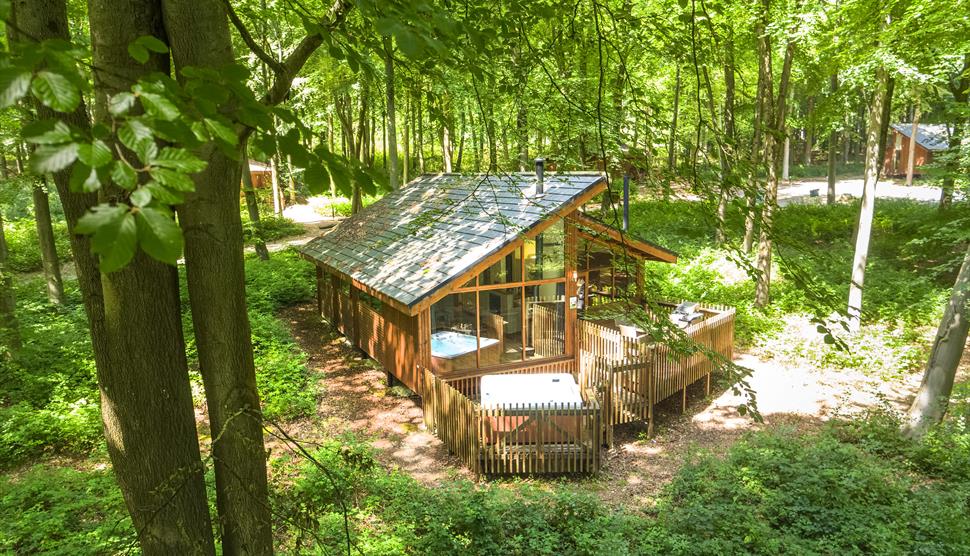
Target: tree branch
{"type": "Point", "coordinates": [299, 56]}
{"type": "Point", "coordinates": [250, 41]}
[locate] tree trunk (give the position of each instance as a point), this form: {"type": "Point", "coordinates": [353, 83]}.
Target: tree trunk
{"type": "Point", "coordinates": [146, 400]}
{"type": "Point", "coordinates": [833, 147]}
{"type": "Point", "coordinates": [461, 140]}
{"type": "Point", "coordinates": [933, 396]}
{"type": "Point", "coordinates": [9, 326]}
{"type": "Point", "coordinates": [211, 224]}
{"type": "Point", "coordinates": [672, 143]}
{"type": "Point", "coordinates": [729, 149]}
{"type": "Point", "coordinates": [864, 227]}
{"type": "Point", "coordinates": [407, 141]}
{"type": "Point", "coordinates": [522, 134]}
{"type": "Point", "coordinates": [911, 151]}
{"type": "Point", "coordinates": [252, 206]}
{"type": "Point", "coordinates": [419, 146]}
{"type": "Point", "coordinates": [809, 132]}
{"type": "Point", "coordinates": [48, 249]}
{"type": "Point", "coordinates": [775, 160]}
{"type": "Point", "coordinates": [274, 178]}
{"type": "Point", "coordinates": [758, 156]}
{"type": "Point", "coordinates": [960, 89]}
{"type": "Point", "coordinates": [445, 142]}
{"type": "Point", "coordinates": [391, 151]}
{"type": "Point", "coordinates": [291, 183]}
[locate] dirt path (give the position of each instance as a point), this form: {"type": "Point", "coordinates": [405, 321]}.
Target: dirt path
{"type": "Point", "coordinates": [355, 399]}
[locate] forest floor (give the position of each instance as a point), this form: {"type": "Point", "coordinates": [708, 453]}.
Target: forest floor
{"type": "Point", "coordinates": [355, 399]}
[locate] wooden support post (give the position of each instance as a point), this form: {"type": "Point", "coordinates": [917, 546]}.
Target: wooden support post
{"type": "Point", "coordinates": [319, 291]}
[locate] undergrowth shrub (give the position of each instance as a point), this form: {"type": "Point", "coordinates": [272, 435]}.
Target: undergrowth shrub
{"type": "Point", "coordinates": [62, 511]}
{"type": "Point", "coordinates": [271, 228]}
{"type": "Point", "coordinates": [24, 249]}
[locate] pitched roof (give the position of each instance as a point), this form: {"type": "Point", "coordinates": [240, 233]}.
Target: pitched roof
{"type": "Point", "coordinates": [933, 137]}
{"type": "Point", "coordinates": [421, 237]}
{"type": "Point", "coordinates": [603, 232]}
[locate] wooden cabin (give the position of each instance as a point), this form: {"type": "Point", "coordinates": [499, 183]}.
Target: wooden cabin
{"type": "Point", "coordinates": [930, 139]}
{"type": "Point", "coordinates": [457, 283]}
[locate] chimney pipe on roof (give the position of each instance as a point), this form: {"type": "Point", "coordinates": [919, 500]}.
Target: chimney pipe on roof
{"type": "Point", "coordinates": [540, 168]}
{"type": "Point", "coordinates": [626, 201]}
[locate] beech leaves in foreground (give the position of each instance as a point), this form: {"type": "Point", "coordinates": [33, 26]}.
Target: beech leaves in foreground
{"type": "Point", "coordinates": [142, 162]}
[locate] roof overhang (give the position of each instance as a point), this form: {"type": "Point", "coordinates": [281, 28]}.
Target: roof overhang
{"type": "Point", "coordinates": [600, 231]}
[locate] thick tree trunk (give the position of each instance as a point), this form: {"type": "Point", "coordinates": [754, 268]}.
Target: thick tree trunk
{"type": "Point", "coordinates": [252, 206]}
{"type": "Point", "coordinates": [672, 143]}
{"type": "Point", "coordinates": [911, 152]}
{"type": "Point", "coordinates": [833, 147]}
{"type": "Point", "coordinates": [775, 161]}
{"type": "Point", "coordinates": [9, 326]}
{"type": "Point", "coordinates": [48, 249]}
{"type": "Point", "coordinates": [932, 398]}
{"type": "Point", "coordinates": [391, 115]}
{"type": "Point", "coordinates": [864, 227]}
{"type": "Point", "coordinates": [761, 119]}
{"type": "Point", "coordinates": [729, 148]}
{"type": "Point", "coordinates": [210, 221]}
{"type": "Point", "coordinates": [146, 397]}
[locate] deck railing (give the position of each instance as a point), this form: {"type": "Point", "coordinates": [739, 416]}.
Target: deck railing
{"type": "Point", "coordinates": [521, 439]}
{"type": "Point", "coordinates": [632, 375]}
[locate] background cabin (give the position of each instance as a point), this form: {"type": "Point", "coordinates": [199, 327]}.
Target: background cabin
{"type": "Point", "coordinates": [930, 139]}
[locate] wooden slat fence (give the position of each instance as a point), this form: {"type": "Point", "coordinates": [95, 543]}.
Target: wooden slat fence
{"type": "Point", "coordinates": [527, 439]}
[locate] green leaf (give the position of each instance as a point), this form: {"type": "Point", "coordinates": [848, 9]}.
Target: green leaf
{"type": "Point", "coordinates": [163, 195]}
{"type": "Point", "coordinates": [152, 43]}
{"type": "Point", "coordinates": [121, 103]}
{"type": "Point", "coordinates": [141, 197]}
{"type": "Point", "coordinates": [159, 106]}
{"type": "Point", "coordinates": [221, 131]}
{"type": "Point", "coordinates": [48, 159]}
{"type": "Point", "coordinates": [114, 234]}
{"type": "Point", "coordinates": [95, 155]}
{"type": "Point", "coordinates": [84, 179]}
{"type": "Point", "coordinates": [172, 179]}
{"type": "Point", "coordinates": [14, 84]}
{"type": "Point", "coordinates": [132, 132]}
{"type": "Point", "coordinates": [159, 235]}
{"type": "Point", "coordinates": [123, 175]}
{"type": "Point", "coordinates": [138, 52]}
{"type": "Point", "coordinates": [316, 178]}
{"type": "Point", "coordinates": [46, 132]}
{"type": "Point", "coordinates": [56, 91]}
{"type": "Point", "coordinates": [179, 159]}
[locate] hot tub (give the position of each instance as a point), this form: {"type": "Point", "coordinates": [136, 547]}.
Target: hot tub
{"type": "Point", "coordinates": [515, 401]}
{"type": "Point", "coordinates": [451, 351]}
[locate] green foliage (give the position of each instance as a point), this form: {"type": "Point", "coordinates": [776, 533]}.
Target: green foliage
{"type": "Point", "coordinates": [282, 376]}
{"type": "Point", "coordinates": [780, 492]}
{"type": "Point", "coordinates": [24, 249]}
{"type": "Point", "coordinates": [49, 397]}
{"type": "Point", "coordinates": [271, 228]}
{"type": "Point", "coordinates": [284, 280]}
{"type": "Point", "coordinates": [61, 511]}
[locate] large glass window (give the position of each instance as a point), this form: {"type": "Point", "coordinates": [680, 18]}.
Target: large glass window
{"type": "Point", "coordinates": [546, 320]}
{"type": "Point", "coordinates": [545, 256]}
{"type": "Point", "coordinates": [507, 315]}
{"type": "Point", "coordinates": [500, 312]}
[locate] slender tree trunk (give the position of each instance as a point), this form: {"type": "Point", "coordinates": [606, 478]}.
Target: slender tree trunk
{"type": "Point", "coordinates": [933, 396]}
{"type": "Point", "coordinates": [729, 142]}
{"type": "Point", "coordinates": [461, 140]}
{"type": "Point", "coordinates": [291, 183]}
{"type": "Point", "coordinates": [775, 160]}
{"type": "Point", "coordinates": [833, 147]}
{"type": "Point", "coordinates": [9, 326]}
{"type": "Point", "coordinates": [911, 151]}
{"type": "Point", "coordinates": [212, 227]}
{"type": "Point", "coordinates": [48, 249]}
{"type": "Point", "coordinates": [252, 206]}
{"type": "Point", "coordinates": [445, 140]}
{"type": "Point", "coordinates": [864, 227]}
{"type": "Point", "coordinates": [419, 144]}
{"type": "Point", "coordinates": [960, 89]}
{"type": "Point", "coordinates": [758, 141]}
{"type": "Point", "coordinates": [809, 132]}
{"type": "Point", "coordinates": [391, 151]}
{"type": "Point", "coordinates": [407, 141]}
{"type": "Point", "coordinates": [146, 398]}
{"type": "Point", "coordinates": [522, 134]}
{"type": "Point", "coordinates": [672, 143]}
{"type": "Point", "coordinates": [274, 178]}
